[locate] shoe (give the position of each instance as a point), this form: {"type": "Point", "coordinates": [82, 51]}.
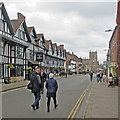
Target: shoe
{"type": "Point", "coordinates": [33, 106]}
{"type": "Point", "coordinates": [37, 107]}
{"type": "Point", "coordinates": [56, 106]}
{"type": "Point", "coordinates": [48, 109]}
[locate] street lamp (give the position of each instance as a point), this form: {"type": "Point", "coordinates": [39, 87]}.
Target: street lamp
{"type": "Point", "coordinates": [109, 30]}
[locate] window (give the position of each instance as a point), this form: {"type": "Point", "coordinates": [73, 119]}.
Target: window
{"type": "Point", "coordinates": [31, 54]}
{"type": "Point", "coordinates": [19, 70]}
{"type": "Point", "coordinates": [12, 51]}
{"type": "Point", "coordinates": [1, 25]}
{"type": "Point", "coordinates": [1, 71]}
{"type": "Point", "coordinates": [12, 72]}
{"type": "Point", "coordinates": [19, 52]}
{"type": "Point", "coordinates": [6, 50]}
{"type": "Point", "coordinates": [1, 47]}
{"type": "Point", "coordinates": [21, 34]}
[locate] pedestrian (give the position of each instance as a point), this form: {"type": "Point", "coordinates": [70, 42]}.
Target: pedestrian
{"type": "Point", "coordinates": [115, 78]}
{"type": "Point", "coordinates": [51, 86]}
{"type": "Point", "coordinates": [43, 79]}
{"type": "Point", "coordinates": [98, 76]}
{"type": "Point", "coordinates": [48, 74]}
{"type": "Point", "coordinates": [101, 75]}
{"type": "Point", "coordinates": [91, 76]}
{"type": "Point", "coordinates": [110, 80]}
{"type": "Point", "coordinates": [104, 78]}
{"type": "Point", "coordinates": [36, 82]}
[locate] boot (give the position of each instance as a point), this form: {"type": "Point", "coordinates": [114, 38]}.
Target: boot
{"type": "Point", "coordinates": [48, 109]}
{"type": "Point", "coordinates": [56, 106]}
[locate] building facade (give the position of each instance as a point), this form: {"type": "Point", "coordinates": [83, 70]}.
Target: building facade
{"type": "Point", "coordinates": [90, 64]}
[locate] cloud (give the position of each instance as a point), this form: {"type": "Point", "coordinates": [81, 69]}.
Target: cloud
{"type": "Point", "coordinates": [80, 26]}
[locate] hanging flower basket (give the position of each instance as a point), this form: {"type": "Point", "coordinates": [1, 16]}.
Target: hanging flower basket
{"type": "Point", "coordinates": [29, 68]}
{"type": "Point", "coordinates": [48, 67]}
{"type": "Point", "coordinates": [11, 66]}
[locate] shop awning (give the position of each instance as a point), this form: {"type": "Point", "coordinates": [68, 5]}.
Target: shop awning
{"type": "Point", "coordinates": [33, 62]}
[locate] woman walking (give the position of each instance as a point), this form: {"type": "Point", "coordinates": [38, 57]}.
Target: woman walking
{"type": "Point", "coordinates": [104, 78]}
{"type": "Point", "coordinates": [52, 86]}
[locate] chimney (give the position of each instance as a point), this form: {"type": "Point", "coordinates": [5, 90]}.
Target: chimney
{"type": "Point", "coordinates": [20, 16]}
{"type": "Point", "coordinates": [62, 46]}
{"type": "Point", "coordinates": [118, 13]}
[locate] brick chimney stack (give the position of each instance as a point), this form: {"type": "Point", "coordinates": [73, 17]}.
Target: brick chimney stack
{"type": "Point", "coordinates": [20, 16]}
{"type": "Point", "coordinates": [118, 13]}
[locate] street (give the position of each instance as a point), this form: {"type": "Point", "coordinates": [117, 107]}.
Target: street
{"type": "Point", "coordinates": [17, 103]}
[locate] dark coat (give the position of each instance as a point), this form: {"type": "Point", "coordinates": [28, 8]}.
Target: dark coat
{"type": "Point", "coordinates": [36, 81]}
{"type": "Point", "coordinates": [52, 87]}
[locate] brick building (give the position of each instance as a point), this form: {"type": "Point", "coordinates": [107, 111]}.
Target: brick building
{"type": "Point", "coordinates": [118, 40]}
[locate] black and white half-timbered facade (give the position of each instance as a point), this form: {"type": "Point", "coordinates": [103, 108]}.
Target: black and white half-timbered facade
{"type": "Point", "coordinates": [22, 49]}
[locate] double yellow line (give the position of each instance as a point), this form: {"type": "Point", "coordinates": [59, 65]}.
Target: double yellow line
{"type": "Point", "coordinates": [77, 105]}
{"type": "Point", "coordinates": [11, 90]}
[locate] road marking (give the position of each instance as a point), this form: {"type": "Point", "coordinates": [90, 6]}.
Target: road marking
{"type": "Point", "coordinates": [75, 108]}
{"type": "Point", "coordinates": [11, 90]}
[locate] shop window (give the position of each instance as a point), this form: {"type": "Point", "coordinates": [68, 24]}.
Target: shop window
{"type": "Point", "coordinates": [19, 70]}
{"type": "Point", "coordinates": [5, 70]}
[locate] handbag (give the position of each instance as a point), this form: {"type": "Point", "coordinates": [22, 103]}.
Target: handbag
{"type": "Point", "coordinates": [30, 86]}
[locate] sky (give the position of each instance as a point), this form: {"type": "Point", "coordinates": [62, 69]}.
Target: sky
{"type": "Point", "coordinates": [80, 24]}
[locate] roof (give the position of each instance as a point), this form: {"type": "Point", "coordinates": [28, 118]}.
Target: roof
{"type": "Point", "coordinates": [54, 45]}
{"type": "Point", "coordinates": [16, 24]}
{"type": "Point", "coordinates": [30, 29]}
{"type": "Point", "coordinates": [4, 12]}
{"type": "Point", "coordinates": [46, 43]}
{"type": "Point", "coordinates": [58, 48]}
{"type": "Point", "coordinates": [40, 36]}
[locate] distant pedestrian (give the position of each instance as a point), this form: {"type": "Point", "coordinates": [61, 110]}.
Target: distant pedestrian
{"type": "Point", "coordinates": [110, 80]}
{"type": "Point", "coordinates": [98, 76]}
{"type": "Point", "coordinates": [48, 74]}
{"type": "Point", "coordinates": [43, 79]}
{"type": "Point", "coordinates": [104, 78]}
{"type": "Point", "coordinates": [91, 76]}
{"type": "Point", "coordinates": [52, 86]}
{"type": "Point", "coordinates": [101, 75]}
{"type": "Point", "coordinates": [36, 82]}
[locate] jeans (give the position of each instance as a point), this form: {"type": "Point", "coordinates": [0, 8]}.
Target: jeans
{"type": "Point", "coordinates": [104, 80]}
{"type": "Point", "coordinates": [37, 98]}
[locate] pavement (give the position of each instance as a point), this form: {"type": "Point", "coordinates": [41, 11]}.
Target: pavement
{"type": "Point", "coordinates": [19, 84]}
{"type": "Point", "coordinates": [102, 102]}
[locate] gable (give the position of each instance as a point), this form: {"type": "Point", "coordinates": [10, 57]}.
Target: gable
{"type": "Point", "coordinates": [5, 24]}
{"type": "Point", "coordinates": [22, 32]}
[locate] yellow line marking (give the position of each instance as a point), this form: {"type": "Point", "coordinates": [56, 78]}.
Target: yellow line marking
{"type": "Point", "coordinates": [11, 90]}
{"type": "Point", "coordinates": [77, 102]}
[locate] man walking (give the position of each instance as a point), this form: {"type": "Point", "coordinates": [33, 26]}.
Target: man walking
{"type": "Point", "coordinates": [36, 81]}
{"type": "Point", "coordinates": [52, 86]}
{"type": "Point", "coordinates": [91, 76]}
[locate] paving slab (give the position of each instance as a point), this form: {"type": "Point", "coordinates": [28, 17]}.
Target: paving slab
{"type": "Point", "coordinates": [103, 102]}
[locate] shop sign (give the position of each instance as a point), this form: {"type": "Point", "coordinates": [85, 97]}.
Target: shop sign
{"type": "Point", "coordinates": [39, 57]}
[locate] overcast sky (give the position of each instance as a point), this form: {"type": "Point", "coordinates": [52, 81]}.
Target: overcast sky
{"type": "Point", "coordinates": [80, 26]}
